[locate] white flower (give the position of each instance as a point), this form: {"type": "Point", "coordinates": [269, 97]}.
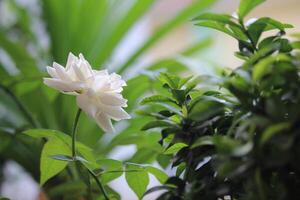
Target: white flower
{"type": "Point", "coordinates": [70, 79]}
{"type": "Point", "coordinates": [98, 92]}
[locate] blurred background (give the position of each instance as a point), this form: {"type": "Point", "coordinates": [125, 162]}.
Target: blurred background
{"type": "Point", "coordinates": [126, 36]}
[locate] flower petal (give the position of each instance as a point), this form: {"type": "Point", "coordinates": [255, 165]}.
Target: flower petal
{"type": "Point", "coordinates": [61, 72]}
{"type": "Point", "coordinates": [112, 99]}
{"type": "Point", "coordinates": [52, 72]}
{"type": "Point", "coordinates": [71, 60]}
{"type": "Point", "coordinates": [115, 112]}
{"type": "Point", "coordinates": [62, 85]}
{"type": "Point", "coordinates": [104, 122]}
{"type": "Point", "coordinates": [85, 103]}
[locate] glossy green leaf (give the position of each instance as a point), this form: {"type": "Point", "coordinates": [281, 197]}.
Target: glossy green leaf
{"type": "Point", "coordinates": [50, 167]}
{"type": "Point", "coordinates": [203, 108]}
{"type": "Point", "coordinates": [223, 18]}
{"type": "Point", "coordinates": [203, 141]}
{"type": "Point", "coordinates": [156, 98]}
{"type": "Point", "coordinates": [137, 181]}
{"type": "Point", "coordinates": [265, 66]}
{"type": "Point", "coordinates": [246, 6]}
{"type": "Point", "coordinates": [156, 124]}
{"type": "Point", "coordinates": [159, 174]}
{"type": "Point", "coordinates": [272, 131]}
{"type": "Point", "coordinates": [175, 148]}
{"type": "Point", "coordinates": [112, 169]}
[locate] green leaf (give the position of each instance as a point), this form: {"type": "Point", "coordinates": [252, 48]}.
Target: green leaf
{"type": "Point", "coordinates": [159, 174]}
{"type": "Point", "coordinates": [112, 169]}
{"type": "Point", "coordinates": [203, 141]}
{"type": "Point", "coordinates": [50, 167]}
{"type": "Point", "coordinates": [62, 157]}
{"type": "Point", "coordinates": [85, 151]}
{"type": "Point", "coordinates": [271, 131]}
{"type": "Point", "coordinates": [62, 145]}
{"type": "Point", "coordinates": [265, 66]}
{"type": "Point", "coordinates": [205, 107]}
{"type": "Point", "coordinates": [171, 80]}
{"type": "Point", "coordinates": [246, 6]}
{"type": "Point", "coordinates": [156, 124]}
{"type": "Point", "coordinates": [183, 81]}
{"type": "Point", "coordinates": [223, 18]}
{"type": "Point", "coordinates": [256, 28]}
{"type": "Point", "coordinates": [156, 98]}
{"type": "Point", "coordinates": [137, 180]}
{"type": "Point", "coordinates": [218, 26]}
{"type": "Point", "coordinates": [175, 148]}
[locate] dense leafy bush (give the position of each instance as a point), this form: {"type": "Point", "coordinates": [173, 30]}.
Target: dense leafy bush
{"type": "Point", "coordinates": [235, 136]}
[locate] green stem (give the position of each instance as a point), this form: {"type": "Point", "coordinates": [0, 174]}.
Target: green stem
{"type": "Point", "coordinates": [99, 184]}
{"type": "Point", "coordinates": [20, 105]}
{"type": "Point", "coordinates": [75, 125]}
{"type": "Point", "coordinates": [248, 35]}
{"type": "Point", "coordinates": [74, 133]}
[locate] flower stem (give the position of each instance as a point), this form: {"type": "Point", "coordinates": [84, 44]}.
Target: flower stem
{"type": "Point", "coordinates": [99, 184]}
{"type": "Point", "coordinates": [74, 133]}
{"type": "Point", "coordinates": [74, 154]}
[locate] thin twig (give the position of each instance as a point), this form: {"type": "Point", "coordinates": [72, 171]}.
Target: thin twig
{"type": "Point", "coordinates": [99, 184]}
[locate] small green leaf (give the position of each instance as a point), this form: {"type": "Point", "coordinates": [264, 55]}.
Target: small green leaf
{"type": "Point", "coordinates": [203, 141]}
{"type": "Point", "coordinates": [265, 66]}
{"type": "Point", "coordinates": [180, 169]}
{"type": "Point", "coordinates": [112, 169]}
{"type": "Point", "coordinates": [175, 148]}
{"type": "Point", "coordinates": [183, 81]}
{"type": "Point", "coordinates": [156, 124]}
{"type": "Point", "coordinates": [171, 80]}
{"type": "Point", "coordinates": [246, 6]}
{"type": "Point", "coordinates": [159, 174]}
{"type": "Point", "coordinates": [273, 130]}
{"type": "Point", "coordinates": [205, 107]}
{"type": "Point", "coordinates": [137, 179]}
{"type": "Point", "coordinates": [218, 26]}
{"type": "Point", "coordinates": [50, 167]}
{"type": "Point", "coordinates": [223, 18]}
{"type": "Point", "coordinates": [156, 98]}
{"type": "Point", "coordinates": [263, 24]}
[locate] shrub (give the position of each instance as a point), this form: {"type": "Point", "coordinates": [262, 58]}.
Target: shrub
{"type": "Point", "coordinates": [235, 136]}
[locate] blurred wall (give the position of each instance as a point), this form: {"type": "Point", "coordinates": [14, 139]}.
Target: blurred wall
{"type": "Point", "coordinates": [224, 46]}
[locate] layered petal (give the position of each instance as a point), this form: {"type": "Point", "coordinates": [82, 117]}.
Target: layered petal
{"type": "Point", "coordinates": [62, 86]}
{"type": "Point", "coordinates": [87, 105]}
{"type": "Point", "coordinates": [98, 92]}
{"type": "Point", "coordinates": [104, 122]}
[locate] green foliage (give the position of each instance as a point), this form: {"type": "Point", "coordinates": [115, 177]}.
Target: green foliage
{"type": "Point", "coordinates": [94, 28]}
{"type": "Point", "coordinates": [137, 178]}
{"type": "Point", "coordinates": [246, 6]}
{"type": "Point", "coordinates": [236, 138]}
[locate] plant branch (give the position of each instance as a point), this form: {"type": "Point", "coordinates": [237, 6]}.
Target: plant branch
{"type": "Point", "coordinates": [99, 184]}
{"type": "Point", "coordinates": [248, 35]}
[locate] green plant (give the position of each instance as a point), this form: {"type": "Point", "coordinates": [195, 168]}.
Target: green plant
{"type": "Point", "coordinates": [92, 28]}
{"type": "Point", "coordinates": [235, 136]}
